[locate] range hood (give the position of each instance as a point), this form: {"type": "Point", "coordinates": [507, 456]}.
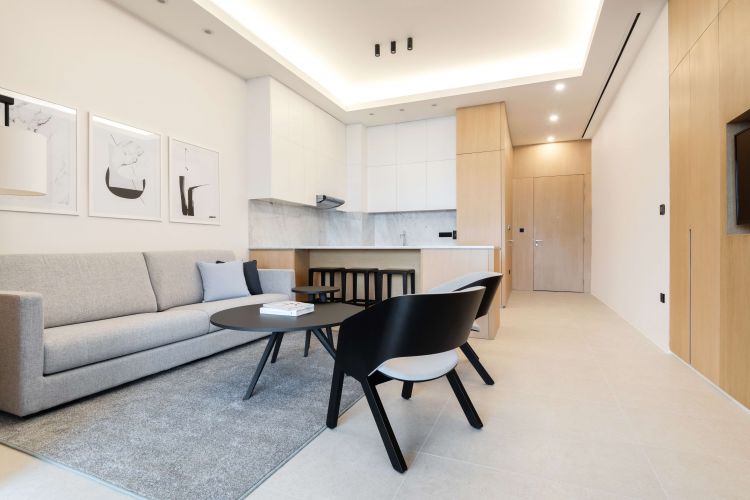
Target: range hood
{"type": "Point", "coordinates": [326, 202]}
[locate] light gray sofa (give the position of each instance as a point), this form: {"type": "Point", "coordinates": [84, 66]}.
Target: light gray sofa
{"type": "Point", "coordinates": [73, 325]}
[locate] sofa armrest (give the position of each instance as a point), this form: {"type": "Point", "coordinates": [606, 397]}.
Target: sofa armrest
{"type": "Point", "coordinates": [21, 349]}
{"type": "Point", "coordinates": [277, 281]}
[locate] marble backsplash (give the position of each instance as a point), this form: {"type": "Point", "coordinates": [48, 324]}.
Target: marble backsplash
{"type": "Point", "coordinates": [273, 224]}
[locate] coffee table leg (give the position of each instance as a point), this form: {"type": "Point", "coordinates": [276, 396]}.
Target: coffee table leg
{"type": "Point", "coordinates": [323, 340]}
{"type": "Point", "coordinates": [261, 364]}
{"type": "Point", "coordinates": [277, 347]}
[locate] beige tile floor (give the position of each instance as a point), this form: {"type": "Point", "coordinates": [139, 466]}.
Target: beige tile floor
{"type": "Point", "coordinates": [583, 407]}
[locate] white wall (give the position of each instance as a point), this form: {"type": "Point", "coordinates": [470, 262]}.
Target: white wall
{"type": "Point", "coordinates": [630, 178]}
{"type": "Point", "coordinates": [89, 55]}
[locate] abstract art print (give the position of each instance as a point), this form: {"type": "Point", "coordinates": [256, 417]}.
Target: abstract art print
{"type": "Point", "coordinates": [124, 171]}
{"type": "Point", "coordinates": [58, 124]}
{"type": "Point", "coordinates": [194, 190]}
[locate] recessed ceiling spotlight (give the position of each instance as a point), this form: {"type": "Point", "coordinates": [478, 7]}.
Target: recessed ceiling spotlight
{"type": "Point", "coordinates": [434, 104]}
{"type": "Point", "coordinates": [559, 87]}
{"type": "Point", "coordinates": [554, 118]}
{"type": "Point", "coordinates": [162, 1]}
{"type": "Point", "coordinates": [550, 138]}
{"type": "Point", "coordinates": [393, 46]}
{"type": "Point", "coordinates": [372, 114]}
{"type": "Point", "coordinates": [400, 109]}
{"type": "Point", "coordinates": [409, 43]}
{"type": "Point", "coordinates": [377, 50]}
{"type": "Point", "coordinates": [208, 31]}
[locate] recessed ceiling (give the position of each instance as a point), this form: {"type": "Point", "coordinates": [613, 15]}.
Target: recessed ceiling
{"type": "Point", "coordinates": [460, 47]}
{"type": "Point", "coordinates": [323, 50]}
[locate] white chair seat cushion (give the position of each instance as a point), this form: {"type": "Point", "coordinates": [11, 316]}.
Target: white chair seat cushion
{"type": "Point", "coordinates": [419, 368]}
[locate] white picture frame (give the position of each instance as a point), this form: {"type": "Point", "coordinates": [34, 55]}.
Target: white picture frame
{"type": "Point", "coordinates": [59, 124]}
{"type": "Point", "coordinates": [196, 199]}
{"type": "Point", "coordinates": [125, 176]}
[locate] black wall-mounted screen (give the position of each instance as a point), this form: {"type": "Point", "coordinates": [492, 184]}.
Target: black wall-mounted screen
{"type": "Point", "coordinates": [742, 173]}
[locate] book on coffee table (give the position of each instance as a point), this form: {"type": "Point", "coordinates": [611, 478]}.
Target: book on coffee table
{"type": "Point", "coordinates": [287, 308]}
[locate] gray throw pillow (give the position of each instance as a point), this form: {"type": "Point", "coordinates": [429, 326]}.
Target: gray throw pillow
{"type": "Point", "coordinates": [222, 281]}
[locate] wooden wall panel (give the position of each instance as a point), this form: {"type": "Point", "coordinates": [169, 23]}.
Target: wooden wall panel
{"type": "Point", "coordinates": [705, 185]}
{"type": "Point", "coordinates": [678, 32]}
{"type": "Point", "coordinates": [679, 223]}
{"type": "Point", "coordinates": [557, 158]}
{"type": "Point", "coordinates": [701, 13]}
{"type": "Point", "coordinates": [479, 128]}
{"type": "Point", "coordinates": [479, 198]}
{"type": "Point", "coordinates": [734, 63]}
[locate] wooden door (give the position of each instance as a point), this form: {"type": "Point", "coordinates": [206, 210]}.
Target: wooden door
{"type": "Point", "coordinates": [523, 234]}
{"type": "Point", "coordinates": [558, 233]}
{"type": "Point", "coordinates": [479, 198]}
{"type": "Point", "coordinates": [680, 218]}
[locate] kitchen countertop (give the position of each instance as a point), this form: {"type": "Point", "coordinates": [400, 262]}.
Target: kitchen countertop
{"type": "Point", "coordinates": [374, 247]}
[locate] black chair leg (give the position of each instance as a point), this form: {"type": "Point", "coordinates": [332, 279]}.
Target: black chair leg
{"type": "Point", "coordinates": [384, 426]}
{"type": "Point", "coordinates": [276, 348]}
{"type": "Point", "coordinates": [463, 398]}
{"type": "Point", "coordinates": [474, 360]}
{"type": "Point", "coordinates": [406, 390]}
{"type": "Point", "coordinates": [329, 334]}
{"type": "Point", "coordinates": [308, 334]}
{"type": "Point", "coordinates": [334, 401]}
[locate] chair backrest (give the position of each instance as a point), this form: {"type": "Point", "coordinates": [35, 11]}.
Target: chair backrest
{"type": "Point", "coordinates": [409, 325]}
{"type": "Point", "coordinates": [489, 280]}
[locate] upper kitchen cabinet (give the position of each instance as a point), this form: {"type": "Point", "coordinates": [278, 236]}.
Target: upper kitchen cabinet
{"type": "Point", "coordinates": [296, 150]}
{"type": "Point", "coordinates": [411, 166]}
{"type": "Point", "coordinates": [480, 128]}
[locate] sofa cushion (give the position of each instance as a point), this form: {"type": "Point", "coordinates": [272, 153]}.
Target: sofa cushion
{"type": "Point", "coordinates": [73, 346]}
{"type": "Point", "coordinates": [209, 308]}
{"type": "Point", "coordinates": [222, 280]}
{"type": "Point", "coordinates": [175, 276]}
{"type": "Point", "coordinates": [81, 287]}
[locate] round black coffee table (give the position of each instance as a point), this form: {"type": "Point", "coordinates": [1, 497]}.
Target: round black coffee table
{"type": "Point", "coordinates": [249, 318]}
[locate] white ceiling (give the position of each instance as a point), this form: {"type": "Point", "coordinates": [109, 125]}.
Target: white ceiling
{"type": "Point", "coordinates": [465, 53]}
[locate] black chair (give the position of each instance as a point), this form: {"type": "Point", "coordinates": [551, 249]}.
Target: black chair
{"type": "Point", "coordinates": [408, 277]}
{"type": "Point", "coordinates": [411, 338]}
{"type": "Point", "coordinates": [330, 273]}
{"type": "Point", "coordinates": [366, 273]}
{"type": "Point", "coordinates": [491, 282]}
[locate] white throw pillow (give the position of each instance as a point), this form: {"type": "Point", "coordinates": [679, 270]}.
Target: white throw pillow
{"type": "Point", "coordinates": [222, 281]}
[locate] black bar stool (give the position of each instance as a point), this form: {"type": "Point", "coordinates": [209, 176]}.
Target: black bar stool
{"type": "Point", "coordinates": [408, 277]}
{"type": "Point", "coordinates": [330, 273]}
{"type": "Point", "coordinates": [366, 272]}
{"type": "Point", "coordinates": [316, 295]}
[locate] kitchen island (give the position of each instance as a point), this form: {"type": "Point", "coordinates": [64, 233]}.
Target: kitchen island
{"type": "Point", "coordinates": [433, 265]}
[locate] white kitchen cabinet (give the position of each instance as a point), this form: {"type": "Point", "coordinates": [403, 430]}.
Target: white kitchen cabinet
{"type": "Point", "coordinates": [440, 185]}
{"type": "Point", "coordinates": [381, 189]}
{"type": "Point", "coordinates": [296, 149]}
{"type": "Point", "coordinates": [422, 155]}
{"type": "Point", "coordinates": [411, 185]}
{"type": "Point", "coordinates": [381, 145]}
{"type": "Point", "coordinates": [411, 142]}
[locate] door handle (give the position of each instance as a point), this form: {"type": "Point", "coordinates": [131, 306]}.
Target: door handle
{"type": "Point", "coordinates": [537, 243]}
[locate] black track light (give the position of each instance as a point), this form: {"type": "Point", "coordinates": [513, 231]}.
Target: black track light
{"type": "Point", "coordinates": [377, 50]}
{"type": "Point", "coordinates": [393, 46]}
{"type": "Point", "coordinates": [409, 43]}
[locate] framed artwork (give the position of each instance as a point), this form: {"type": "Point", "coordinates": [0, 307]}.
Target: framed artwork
{"type": "Point", "coordinates": [58, 124]}
{"type": "Point", "coordinates": [194, 189]}
{"type": "Point", "coordinates": [124, 171]}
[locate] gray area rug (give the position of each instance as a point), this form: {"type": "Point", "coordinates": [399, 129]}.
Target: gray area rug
{"type": "Point", "coordinates": [187, 433]}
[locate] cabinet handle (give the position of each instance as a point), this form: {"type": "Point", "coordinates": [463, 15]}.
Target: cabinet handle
{"type": "Point", "coordinates": [537, 243]}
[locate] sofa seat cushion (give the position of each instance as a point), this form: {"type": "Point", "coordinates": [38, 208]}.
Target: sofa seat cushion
{"type": "Point", "coordinates": [73, 346]}
{"type": "Point", "coordinates": [209, 308]}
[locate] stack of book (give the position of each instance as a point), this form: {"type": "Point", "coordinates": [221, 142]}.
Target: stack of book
{"type": "Point", "coordinates": [287, 308]}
